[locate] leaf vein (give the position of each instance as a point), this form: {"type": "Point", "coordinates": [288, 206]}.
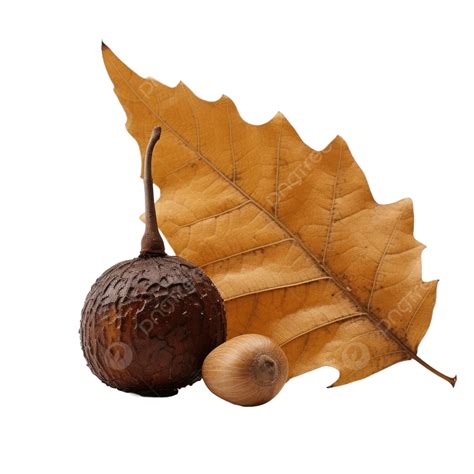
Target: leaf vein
{"type": "Point", "coordinates": [243, 252]}
{"type": "Point", "coordinates": [279, 287]}
{"type": "Point", "coordinates": [227, 211]}
{"type": "Point", "coordinates": [417, 309]}
{"type": "Point", "coordinates": [333, 207]}
{"type": "Point", "coordinates": [325, 324]}
{"type": "Point", "coordinates": [277, 170]}
{"type": "Point", "coordinates": [231, 142]}
{"type": "Point", "coordinates": [382, 258]}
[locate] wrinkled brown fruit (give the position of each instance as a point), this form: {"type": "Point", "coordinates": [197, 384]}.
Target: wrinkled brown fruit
{"type": "Point", "coordinates": [148, 323]}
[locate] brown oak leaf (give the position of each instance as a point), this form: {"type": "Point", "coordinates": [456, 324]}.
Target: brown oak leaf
{"type": "Point", "coordinates": [292, 237]}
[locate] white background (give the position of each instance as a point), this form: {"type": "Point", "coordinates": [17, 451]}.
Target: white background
{"type": "Point", "coordinates": [393, 78]}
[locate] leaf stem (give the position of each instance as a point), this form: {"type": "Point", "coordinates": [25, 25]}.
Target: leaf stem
{"type": "Point", "coordinates": [451, 380]}
{"type": "Point", "coordinates": [152, 243]}
{"type": "Point", "coordinates": [380, 325]}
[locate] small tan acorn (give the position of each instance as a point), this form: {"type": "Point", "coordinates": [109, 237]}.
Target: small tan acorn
{"type": "Point", "coordinates": [247, 370]}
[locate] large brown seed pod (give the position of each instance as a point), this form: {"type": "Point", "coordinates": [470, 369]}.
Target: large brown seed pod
{"type": "Point", "coordinates": [148, 323]}
{"type": "Point", "coordinates": [247, 370]}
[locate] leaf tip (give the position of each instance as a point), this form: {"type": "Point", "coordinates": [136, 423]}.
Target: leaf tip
{"type": "Point", "coordinates": [104, 47]}
{"type": "Point", "coordinates": [337, 143]}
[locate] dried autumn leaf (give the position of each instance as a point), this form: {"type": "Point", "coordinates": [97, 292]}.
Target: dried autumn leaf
{"type": "Point", "coordinates": [292, 237]}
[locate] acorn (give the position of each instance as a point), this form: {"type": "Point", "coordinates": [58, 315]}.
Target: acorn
{"type": "Point", "coordinates": [148, 323]}
{"type": "Point", "coordinates": [247, 370]}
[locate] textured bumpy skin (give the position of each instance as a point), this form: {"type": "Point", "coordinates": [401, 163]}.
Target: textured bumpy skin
{"type": "Point", "coordinates": [148, 324]}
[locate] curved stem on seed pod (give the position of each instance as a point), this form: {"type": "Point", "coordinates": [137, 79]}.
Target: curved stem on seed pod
{"type": "Point", "coordinates": [152, 243]}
